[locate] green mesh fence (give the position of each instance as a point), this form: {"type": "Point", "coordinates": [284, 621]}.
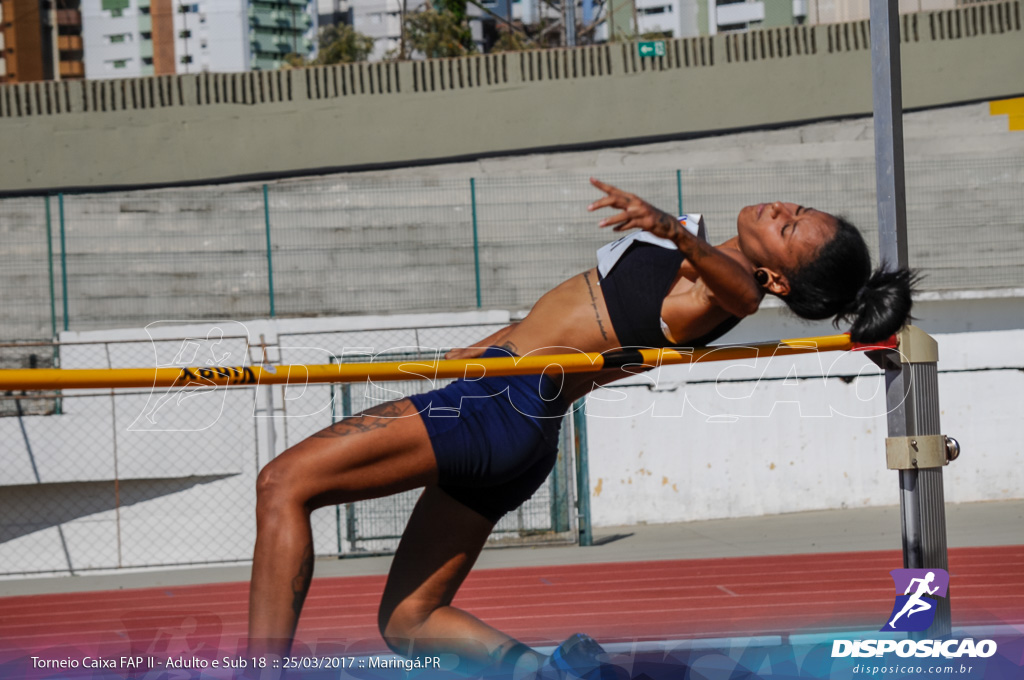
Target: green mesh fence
{"type": "Point", "coordinates": [373, 244]}
{"type": "Point", "coordinates": [163, 255]}
{"type": "Point", "coordinates": [27, 309]}
{"type": "Point", "coordinates": [967, 229]}
{"type": "Point", "coordinates": [137, 478]}
{"type": "Point", "coordinates": [348, 245]}
{"type": "Point", "coordinates": [535, 232]}
{"type": "Point", "coordinates": [357, 246]}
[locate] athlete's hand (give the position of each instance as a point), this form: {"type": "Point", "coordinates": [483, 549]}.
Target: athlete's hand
{"type": "Point", "coordinates": [465, 352]}
{"type": "Point", "coordinates": [636, 213]}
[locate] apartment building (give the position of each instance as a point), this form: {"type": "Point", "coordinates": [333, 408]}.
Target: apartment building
{"type": "Point", "coordinates": [40, 40]}
{"type": "Point", "coordinates": [331, 12]}
{"type": "Point", "coordinates": [685, 18]}
{"type": "Point", "coordinates": [67, 27]}
{"type": "Point", "coordinates": [127, 38]}
{"type": "Point", "coordinates": [22, 42]}
{"type": "Point", "coordinates": [382, 21]}
{"type": "Point", "coordinates": [279, 28]}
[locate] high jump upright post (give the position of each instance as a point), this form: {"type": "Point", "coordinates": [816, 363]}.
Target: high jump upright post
{"type": "Point", "coordinates": [914, 446]}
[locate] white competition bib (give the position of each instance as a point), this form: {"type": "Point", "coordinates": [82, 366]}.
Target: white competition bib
{"type": "Point", "coordinates": [609, 254]}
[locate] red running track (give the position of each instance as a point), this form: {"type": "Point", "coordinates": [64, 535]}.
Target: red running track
{"type": "Point", "coordinates": [615, 602]}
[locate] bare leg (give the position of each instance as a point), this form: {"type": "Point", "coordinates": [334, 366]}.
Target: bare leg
{"type": "Point", "coordinates": [383, 451]}
{"type": "Point", "coordinates": [439, 547]}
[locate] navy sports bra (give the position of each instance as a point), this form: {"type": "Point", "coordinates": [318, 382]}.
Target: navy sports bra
{"type": "Point", "coordinates": [634, 285]}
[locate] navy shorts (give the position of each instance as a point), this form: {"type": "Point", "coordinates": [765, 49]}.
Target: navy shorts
{"type": "Point", "coordinates": [495, 439]}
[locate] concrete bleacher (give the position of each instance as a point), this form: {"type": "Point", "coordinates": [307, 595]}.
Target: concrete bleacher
{"type": "Point", "coordinates": [198, 128]}
{"type": "Point", "coordinates": [402, 240]}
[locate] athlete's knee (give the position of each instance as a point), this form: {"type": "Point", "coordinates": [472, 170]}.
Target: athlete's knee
{"type": "Point", "coordinates": [277, 485]}
{"type": "Point", "coordinates": [399, 624]}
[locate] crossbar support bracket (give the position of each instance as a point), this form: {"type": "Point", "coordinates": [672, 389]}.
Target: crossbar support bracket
{"type": "Point", "coordinates": [915, 453]}
{"type": "Point", "coordinates": [912, 396]}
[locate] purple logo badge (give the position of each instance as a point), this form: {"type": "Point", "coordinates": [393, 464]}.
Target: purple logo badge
{"type": "Point", "coordinates": [916, 589]}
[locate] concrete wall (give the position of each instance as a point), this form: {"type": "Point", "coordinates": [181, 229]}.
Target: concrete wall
{"type": "Point", "coordinates": [781, 435]}
{"type": "Point", "coordinates": [490, 104]}
{"type": "Point", "coordinates": [775, 437]}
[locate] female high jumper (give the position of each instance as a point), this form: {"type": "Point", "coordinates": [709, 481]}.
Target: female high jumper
{"type": "Point", "coordinates": [672, 290]}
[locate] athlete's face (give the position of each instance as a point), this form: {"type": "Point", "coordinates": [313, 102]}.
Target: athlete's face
{"type": "Point", "coordinates": [781, 237]}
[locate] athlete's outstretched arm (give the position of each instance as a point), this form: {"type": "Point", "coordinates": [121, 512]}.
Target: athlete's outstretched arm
{"type": "Point", "coordinates": [731, 282]}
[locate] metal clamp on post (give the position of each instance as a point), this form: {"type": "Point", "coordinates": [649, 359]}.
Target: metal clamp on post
{"type": "Point", "coordinates": [916, 346]}
{"type": "Point", "coordinates": [923, 451]}
{"type": "Point", "coordinates": [913, 346]}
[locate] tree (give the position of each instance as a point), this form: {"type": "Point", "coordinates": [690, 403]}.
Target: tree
{"type": "Point", "coordinates": [439, 33]}
{"type": "Point", "coordinates": [293, 60]}
{"type": "Point", "coordinates": [456, 7]}
{"type": "Point", "coordinates": [511, 41]}
{"type": "Point", "coordinates": [342, 44]}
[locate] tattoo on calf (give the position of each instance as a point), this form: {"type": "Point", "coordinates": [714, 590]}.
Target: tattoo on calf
{"type": "Point", "coordinates": [372, 418]}
{"type": "Point", "coordinates": [593, 304]}
{"type": "Point", "coordinates": [300, 584]}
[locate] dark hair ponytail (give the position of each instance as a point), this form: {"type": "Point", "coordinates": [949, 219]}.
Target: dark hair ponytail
{"type": "Point", "coordinates": [838, 282]}
{"type": "Point", "coordinates": [881, 306]}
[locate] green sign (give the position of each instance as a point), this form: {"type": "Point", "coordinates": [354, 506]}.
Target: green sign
{"type": "Point", "coordinates": [651, 48]}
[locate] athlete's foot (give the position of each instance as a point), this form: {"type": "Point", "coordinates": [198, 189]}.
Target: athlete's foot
{"type": "Point", "coordinates": [577, 657]}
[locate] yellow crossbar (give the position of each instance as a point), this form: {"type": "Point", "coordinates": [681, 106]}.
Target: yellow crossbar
{"type": "Point", "coordinates": [89, 378]}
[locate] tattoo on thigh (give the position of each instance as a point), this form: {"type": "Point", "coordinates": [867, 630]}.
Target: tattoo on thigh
{"type": "Point", "coordinates": [300, 584]}
{"type": "Point", "coordinates": [372, 418]}
{"type": "Point", "coordinates": [509, 347]}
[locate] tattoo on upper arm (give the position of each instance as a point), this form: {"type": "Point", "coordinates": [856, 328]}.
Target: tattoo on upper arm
{"type": "Point", "coordinates": [300, 584]}
{"type": "Point", "coordinates": [593, 304]}
{"type": "Point", "coordinates": [698, 249]}
{"type": "Point", "coordinates": [372, 418]}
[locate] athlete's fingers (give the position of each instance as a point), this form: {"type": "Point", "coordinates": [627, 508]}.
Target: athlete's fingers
{"type": "Point", "coordinates": [606, 202]}
{"type": "Point", "coordinates": [642, 216]}
{"type": "Point", "coordinates": [621, 201]}
{"type": "Point", "coordinates": [619, 197]}
{"type": "Point", "coordinates": [607, 188]}
{"type": "Point", "coordinates": [614, 220]}
{"type": "Point", "coordinates": [639, 215]}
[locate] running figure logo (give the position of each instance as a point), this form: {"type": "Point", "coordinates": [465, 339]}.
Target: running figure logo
{"type": "Point", "coordinates": [913, 610]}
